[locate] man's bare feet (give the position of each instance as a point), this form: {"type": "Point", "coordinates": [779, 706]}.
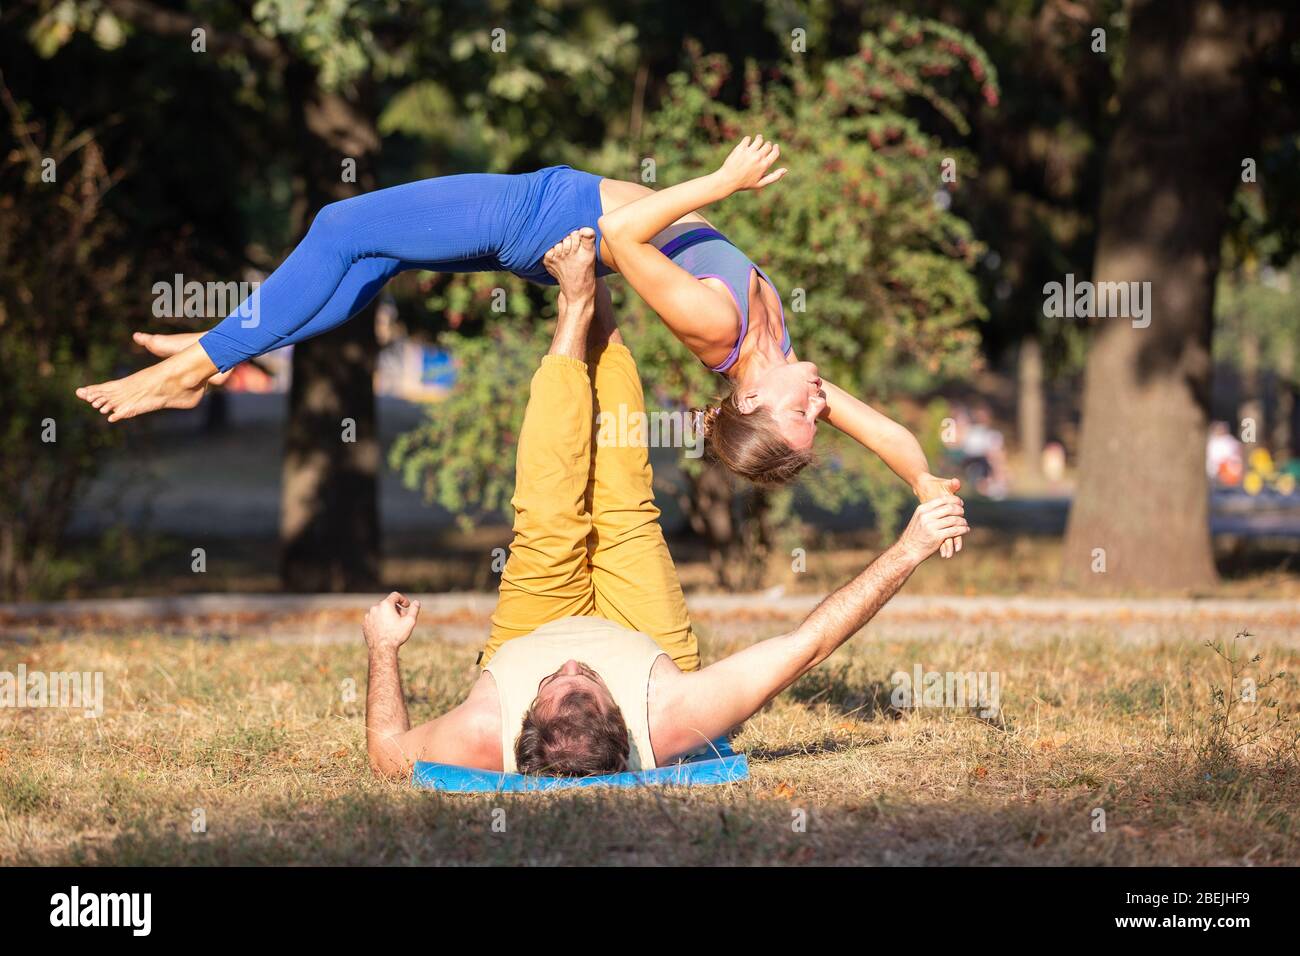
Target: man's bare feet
{"type": "Point", "coordinates": [572, 261]}
{"type": "Point", "coordinates": [604, 328]}
{"type": "Point", "coordinates": [175, 382]}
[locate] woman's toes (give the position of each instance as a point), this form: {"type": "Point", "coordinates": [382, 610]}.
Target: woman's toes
{"type": "Point", "coordinates": [147, 341]}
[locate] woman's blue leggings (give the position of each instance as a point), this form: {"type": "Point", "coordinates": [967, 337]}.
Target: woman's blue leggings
{"type": "Point", "coordinates": [469, 223]}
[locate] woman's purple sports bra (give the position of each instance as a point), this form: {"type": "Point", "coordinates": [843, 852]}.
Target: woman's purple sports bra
{"type": "Point", "coordinates": [708, 254]}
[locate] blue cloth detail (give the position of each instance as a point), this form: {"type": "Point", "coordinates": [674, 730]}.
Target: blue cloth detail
{"type": "Point", "coordinates": [718, 764]}
{"type": "Point", "coordinates": [468, 223]}
{"type": "Point", "coordinates": [707, 254]}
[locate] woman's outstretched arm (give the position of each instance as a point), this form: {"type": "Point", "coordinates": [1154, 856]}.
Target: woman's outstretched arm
{"type": "Point", "coordinates": [686, 305]}
{"type": "Point", "coordinates": [643, 219]}
{"type": "Point", "coordinates": [895, 445]}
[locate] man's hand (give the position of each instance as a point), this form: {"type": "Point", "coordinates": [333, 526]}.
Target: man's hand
{"type": "Point", "coordinates": [390, 622]}
{"type": "Point", "coordinates": [746, 167]}
{"type": "Point", "coordinates": [928, 487]}
{"type": "Point", "coordinates": [933, 523]}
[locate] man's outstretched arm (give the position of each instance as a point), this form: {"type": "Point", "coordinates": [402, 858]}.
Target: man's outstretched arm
{"type": "Point", "coordinates": [700, 707]}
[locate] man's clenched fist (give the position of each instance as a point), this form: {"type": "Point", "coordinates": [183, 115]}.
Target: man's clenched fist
{"type": "Point", "coordinates": [390, 622]}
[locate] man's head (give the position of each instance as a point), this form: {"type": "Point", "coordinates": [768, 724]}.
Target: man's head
{"type": "Point", "coordinates": [573, 728]}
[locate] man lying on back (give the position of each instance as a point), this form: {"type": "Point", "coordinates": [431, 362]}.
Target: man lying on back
{"type": "Point", "coordinates": [592, 665]}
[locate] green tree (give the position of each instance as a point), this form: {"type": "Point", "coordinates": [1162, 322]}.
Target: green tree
{"type": "Point", "coordinates": [1206, 84]}
{"type": "Point", "coordinates": [874, 267]}
{"type": "Point", "coordinates": [63, 296]}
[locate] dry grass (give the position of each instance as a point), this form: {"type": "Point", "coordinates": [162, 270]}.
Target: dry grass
{"type": "Point", "coordinates": [257, 735]}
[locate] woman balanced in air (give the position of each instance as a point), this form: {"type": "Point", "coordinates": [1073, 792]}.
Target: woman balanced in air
{"type": "Point", "coordinates": [722, 306]}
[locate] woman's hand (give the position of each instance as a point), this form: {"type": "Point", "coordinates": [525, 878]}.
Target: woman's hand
{"type": "Point", "coordinates": [747, 166]}
{"type": "Point", "coordinates": [929, 487]}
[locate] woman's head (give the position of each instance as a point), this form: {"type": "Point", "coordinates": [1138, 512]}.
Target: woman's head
{"type": "Point", "coordinates": [764, 430]}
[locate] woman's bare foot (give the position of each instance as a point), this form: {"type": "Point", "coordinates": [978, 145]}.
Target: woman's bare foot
{"type": "Point", "coordinates": [175, 382]}
{"type": "Point", "coordinates": [165, 346]}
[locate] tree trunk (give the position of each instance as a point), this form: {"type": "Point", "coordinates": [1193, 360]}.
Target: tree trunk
{"type": "Point", "coordinates": [329, 508]}
{"type": "Point", "coordinates": [1031, 414]}
{"type": "Point", "coordinates": [329, 513]}
{"type": "Point", "coordinates": [1142, 509]}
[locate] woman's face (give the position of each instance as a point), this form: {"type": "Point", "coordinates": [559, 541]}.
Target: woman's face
{"type": "Point", "coordinates": [793, 394]}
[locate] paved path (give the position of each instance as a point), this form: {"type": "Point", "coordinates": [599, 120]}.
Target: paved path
{"type": "Point", "coordinates": [463, 617]}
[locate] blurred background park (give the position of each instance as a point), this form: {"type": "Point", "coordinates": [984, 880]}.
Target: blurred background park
{"type": "Point", "coordinates": [948, 160]}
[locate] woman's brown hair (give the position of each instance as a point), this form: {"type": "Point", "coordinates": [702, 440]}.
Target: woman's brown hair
{"type": "Point", "coordinates": [749, 445]}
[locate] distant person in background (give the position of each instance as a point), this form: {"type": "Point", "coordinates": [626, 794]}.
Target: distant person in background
{"type": "Point", "coordinates": [985, 449]}
{"type": "Point", "coordinates": [1224, 462]}
{"type": "Point", "coordinates": [1053, 464]}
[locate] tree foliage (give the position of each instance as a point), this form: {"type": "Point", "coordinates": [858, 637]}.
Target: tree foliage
{"type": "Point", "coordinates": [63, 298]}
{"type": "Point", "coordinates": [874, 268]}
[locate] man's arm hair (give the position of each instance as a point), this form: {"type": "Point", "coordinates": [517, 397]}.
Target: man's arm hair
{"type": "Point", "coordinates": [708, 703]}
{"type": "Point", "coordinates": [386, 717]}
{"type": "Point", "coordinates": [695, 708]}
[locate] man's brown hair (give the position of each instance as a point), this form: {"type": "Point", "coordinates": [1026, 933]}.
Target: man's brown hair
{"type": "Point", "coordinates": [577, 737]}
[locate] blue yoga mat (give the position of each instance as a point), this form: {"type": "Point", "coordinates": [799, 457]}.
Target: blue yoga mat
{"type": "Point", "coordinates": [718, 764]}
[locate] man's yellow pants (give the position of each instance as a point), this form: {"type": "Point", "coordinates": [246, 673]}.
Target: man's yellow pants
{"type": "Point", "coordinates": [587, 536]}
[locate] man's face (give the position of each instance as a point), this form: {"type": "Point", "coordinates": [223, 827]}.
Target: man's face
{"type": "Point", "coordinates": [572, 677]}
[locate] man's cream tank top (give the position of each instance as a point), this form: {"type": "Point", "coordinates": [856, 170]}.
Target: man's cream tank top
{"type": "Point", "coordinates": [621, 657]}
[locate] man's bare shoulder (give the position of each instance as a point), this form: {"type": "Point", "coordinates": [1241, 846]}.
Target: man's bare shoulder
{"type": "Point", "coordinates": [468, 735]}
{"type": "Point", "coordinates": [484, 693]}
{"type": "Point", "coordinates": [668, 734]}
{"type": "Point", "coordinates": [483, 716]}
